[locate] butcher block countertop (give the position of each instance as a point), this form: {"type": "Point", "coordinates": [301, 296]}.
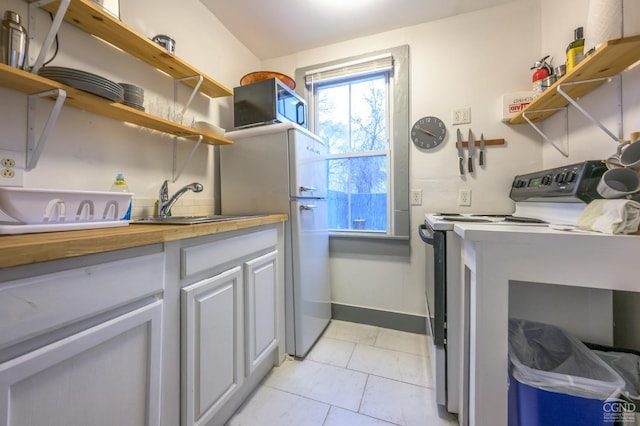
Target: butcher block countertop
{"type": "Point", "coordinates": [24, 249]}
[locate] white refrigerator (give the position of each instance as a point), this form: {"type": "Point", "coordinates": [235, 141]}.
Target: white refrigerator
{"type": "Point", "coordinates": [281, 168]}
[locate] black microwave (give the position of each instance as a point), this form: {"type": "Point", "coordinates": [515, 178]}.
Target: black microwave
{"type": "Point", "coordinates": [265, 102]}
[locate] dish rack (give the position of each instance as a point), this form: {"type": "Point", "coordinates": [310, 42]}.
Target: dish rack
{"type": "Point", "coordinates": [48, 210]}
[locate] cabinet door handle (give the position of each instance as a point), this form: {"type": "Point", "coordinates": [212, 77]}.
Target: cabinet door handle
{"type": "Point", "coordinates": [307, 189]}
{"type": "Point", "coordinates": [308, 207]}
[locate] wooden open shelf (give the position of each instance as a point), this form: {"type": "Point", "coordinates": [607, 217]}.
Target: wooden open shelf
{"type": "Point", "coordinates": [92, 19]}
{"type": "Point", "coordinates": [31, 84]}
{"type": "Point", "coordinates": [608, 60]}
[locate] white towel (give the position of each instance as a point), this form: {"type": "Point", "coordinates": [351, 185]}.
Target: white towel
{"type": "Point", "coordinates": [611, 216]}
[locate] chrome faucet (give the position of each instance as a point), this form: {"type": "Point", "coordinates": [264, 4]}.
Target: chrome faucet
{"type": "Point", "coordinates": [166, 203]}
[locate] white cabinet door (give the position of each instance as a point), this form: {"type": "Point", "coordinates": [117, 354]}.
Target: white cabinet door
{"type": "Point", "coordinates": [261, 314]}
{"type": "Point", "coordinates": [212, 345]}
{"type": "Point", "coordinates": [105, 375]}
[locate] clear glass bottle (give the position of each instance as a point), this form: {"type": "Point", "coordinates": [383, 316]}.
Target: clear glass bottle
{"type": "Point", "coordinates": [13, 41]}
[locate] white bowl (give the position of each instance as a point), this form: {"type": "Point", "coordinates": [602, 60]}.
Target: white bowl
{"type": "Point", "coordinates": [209, 127]}
{"type": "Point", "coordinates": [33, 206]}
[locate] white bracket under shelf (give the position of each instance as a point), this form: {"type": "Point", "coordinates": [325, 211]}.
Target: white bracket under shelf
{"type": "Point", "coordinates": [195, 90]}
{"type": "Point", "coordinates": [580, 109]}
{"type": "Point", "coordinates": [178, 173]}
{"type": "Point", "coordinates": [53, 30]}
{"type": "Point", "coordinates": [34, 149]}
{"type": "Point", "coordinates": [585, 112]}
{"type": "Point", "coordinates": [562, 151]}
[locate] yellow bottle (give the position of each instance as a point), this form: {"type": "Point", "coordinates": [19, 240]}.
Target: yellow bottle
{"type": "Point", "coordinates": [120, 185]}
{"type": "Point", "coordinates": [575, 50]}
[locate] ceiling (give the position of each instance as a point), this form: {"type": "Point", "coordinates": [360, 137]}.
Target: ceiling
{"type": "Point", "coordinates": [273, 28]}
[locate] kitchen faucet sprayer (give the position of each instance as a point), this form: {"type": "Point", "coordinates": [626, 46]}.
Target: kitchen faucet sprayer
{"type": "Point", "coordinates": [166, 203]}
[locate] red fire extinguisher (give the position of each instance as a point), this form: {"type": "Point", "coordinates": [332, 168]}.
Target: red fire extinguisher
{"type": "Point", "coordinates": [542, 71]}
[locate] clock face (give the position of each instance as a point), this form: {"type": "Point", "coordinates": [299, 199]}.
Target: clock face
{"type": "Point", "coordinates": [428, 132]}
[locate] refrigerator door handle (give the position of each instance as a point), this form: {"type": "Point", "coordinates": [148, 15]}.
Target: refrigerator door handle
{"type": "Point", "coordinates": [308, 206]}
{"type": "Point", "coordinates": [307, 189]}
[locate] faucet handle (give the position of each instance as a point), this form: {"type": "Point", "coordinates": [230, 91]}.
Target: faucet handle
{"type": "Point", "coordinates": [164, 192]}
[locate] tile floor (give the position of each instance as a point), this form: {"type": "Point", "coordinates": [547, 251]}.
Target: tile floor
{"type": "Point", "coordinates": [356, 375]}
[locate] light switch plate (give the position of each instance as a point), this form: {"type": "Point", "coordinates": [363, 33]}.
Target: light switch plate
{"type": "Point", "coordinates": [461, 115]}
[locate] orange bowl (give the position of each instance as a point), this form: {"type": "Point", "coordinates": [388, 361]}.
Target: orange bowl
{"type": "Point", "coordinates": [264, 75]}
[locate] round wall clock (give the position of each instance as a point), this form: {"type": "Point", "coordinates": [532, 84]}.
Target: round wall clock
{"type": "Point", "coordinates": [428, 132]}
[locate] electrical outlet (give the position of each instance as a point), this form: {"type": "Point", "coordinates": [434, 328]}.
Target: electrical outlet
{"type": "Point", "coordinates": [461, 115]}
{"type": "Point", "coordinates": [464, 197]}
{"type": "Point", "coordinates": [8, 173]}
{"type": "Point", "coordinates": [11, 168]}
{"type": "Point", "coordinates": [416, 197]}
{"type": "Point", "coordinates": [8, 162]}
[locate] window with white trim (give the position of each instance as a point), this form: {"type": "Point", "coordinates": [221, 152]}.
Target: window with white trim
{"type": "Point", "coordinates": [359, 106]}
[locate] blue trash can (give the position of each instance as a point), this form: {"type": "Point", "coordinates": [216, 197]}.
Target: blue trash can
{"type": "Point", "coordinates": [554, 379]}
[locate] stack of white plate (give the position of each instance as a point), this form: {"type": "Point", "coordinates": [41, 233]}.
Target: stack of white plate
{"type": "Point", "coordinates": [133, 96]}
{"type": "Point", "coordinates": [85, 81]}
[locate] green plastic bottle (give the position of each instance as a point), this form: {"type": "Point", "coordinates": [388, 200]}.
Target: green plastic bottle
{"type": "Point", "coordinates": [575, 50]}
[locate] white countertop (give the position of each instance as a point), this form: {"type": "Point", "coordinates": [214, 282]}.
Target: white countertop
{"type": "Point", "coordinates": [507, 232]}
{"type": "Point", "coordinates": [531, 233]}
{"type": "Point", "coordinates": [495, 255]}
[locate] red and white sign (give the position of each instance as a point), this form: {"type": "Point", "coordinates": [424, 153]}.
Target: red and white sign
{"type": "Point", "coordinates": [514, 103]}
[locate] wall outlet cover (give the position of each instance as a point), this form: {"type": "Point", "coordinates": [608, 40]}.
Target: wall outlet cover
{"type": "Point", "coordinates": [416, 197]}
{"type": "Point", "coordinates": [11, 168]}
{"type": "Point", "coordinates": [464, 197]}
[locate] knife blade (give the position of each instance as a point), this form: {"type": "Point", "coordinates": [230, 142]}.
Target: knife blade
{"type": "Point", "coordinates": [472, 151]}
{"type": "Point", "coordinates": [460, 153]}
{"type": "Point", "coordinates": [481, 154]}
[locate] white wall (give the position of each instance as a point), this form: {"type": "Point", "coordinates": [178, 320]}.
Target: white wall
{"type": "Point", "coordinates": [586, 141]}
{"type": "Point", "coordinates": [472, 60]}
{"type": "Point", "coordinates": [468, 60]}
{"type": "Point", "coordinates": [85, 151]}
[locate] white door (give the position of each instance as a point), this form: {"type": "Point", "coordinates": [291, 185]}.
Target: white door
{"type": "Point", "coordinates": [261, 281]}
{"type": "Point", "coordinates": [309, 290]}
{"type": "Point", "coordinates": [212, 346]}
{"type": "Point", "coordinates": [106, 375]}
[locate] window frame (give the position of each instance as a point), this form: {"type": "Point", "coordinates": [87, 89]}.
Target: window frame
{"type": "Point", "coordinates": [398, 210]}
{"type": "Point", "coordinates": [387, 153]}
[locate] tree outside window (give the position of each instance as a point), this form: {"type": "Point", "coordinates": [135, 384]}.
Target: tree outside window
{"type": "Point", "coordinates": [353, 117]}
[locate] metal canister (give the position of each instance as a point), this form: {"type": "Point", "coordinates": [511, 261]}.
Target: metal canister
{"type": "Point", "coordinates": [13, 41]}
{"type": "Point", "coordinates": [548, 82]}
{"type": "Point", "coordinates": [166, 42]}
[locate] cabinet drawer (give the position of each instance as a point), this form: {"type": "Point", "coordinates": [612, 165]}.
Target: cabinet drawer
{"type": "Point", "coordinates": [108, 374]}
{"type": "Point", "coordinates": [37, 305]}
{"type": "Point", "coordinates": [205, 256]}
